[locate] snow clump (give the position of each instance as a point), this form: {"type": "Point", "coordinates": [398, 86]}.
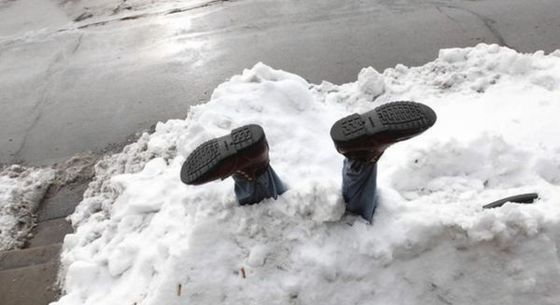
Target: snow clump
{"type": "Point", "coordinates": [21, 191]}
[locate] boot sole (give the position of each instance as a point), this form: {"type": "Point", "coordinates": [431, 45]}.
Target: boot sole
{"type": "Point", "coordinates": [396, 120]}
{"type": "Point", "coordinates": [210, 155]}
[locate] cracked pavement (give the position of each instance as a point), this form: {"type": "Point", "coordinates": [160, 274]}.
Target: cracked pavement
{"type": "Point", "coordinates": [73, 86]}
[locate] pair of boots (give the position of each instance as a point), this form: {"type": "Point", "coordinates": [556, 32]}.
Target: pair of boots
{"type": "Point", "coordinates": [361, 138]}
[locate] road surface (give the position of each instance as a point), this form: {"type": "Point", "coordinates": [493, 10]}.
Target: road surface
{"type": "Point", "coordinates": [76, 78]}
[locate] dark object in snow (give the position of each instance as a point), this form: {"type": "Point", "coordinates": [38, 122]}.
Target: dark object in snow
{"type": "Point", "coordinates": [244, 152]}
{"type": "Point", "coordinates": [364, 137]}
{"type": "Point", "coordinates": [522, 198]}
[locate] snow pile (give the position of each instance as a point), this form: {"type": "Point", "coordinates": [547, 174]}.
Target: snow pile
{"type": "Point", "coordinates": [144, 238]}
{"type": "Point", "coordinates": [21, 190]}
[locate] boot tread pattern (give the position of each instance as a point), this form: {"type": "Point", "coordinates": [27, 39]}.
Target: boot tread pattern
{"type": "Point", "coordinates": [202, 158]}
{"type": "Point", "coordinates": [402, 115]}
{"type": "Point", "coordinates": [243, 137]}
{"type": "Point", "coordinates": [209, 154]}
{"type": "Point", "coordinates": [353, 125]}
{"type": "Point", "coordinates": [399, 120]}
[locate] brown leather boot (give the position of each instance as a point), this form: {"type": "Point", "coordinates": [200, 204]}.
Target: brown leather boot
{"type": "Point", "coordinates": [365, 137]}
{"type": "Point", "coordinates": [243, 152]}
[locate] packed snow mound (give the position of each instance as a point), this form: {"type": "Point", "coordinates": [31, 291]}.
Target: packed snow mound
{"type": "Point", "coordinates": [142, 237]}
{"type": "Point", "coordinates": [21, 191]}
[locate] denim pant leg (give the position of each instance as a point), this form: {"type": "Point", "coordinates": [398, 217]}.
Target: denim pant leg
{"type": "Point", "coordinates": [267, 185]}
{"type": "Point", "coordinates": [359, 184]}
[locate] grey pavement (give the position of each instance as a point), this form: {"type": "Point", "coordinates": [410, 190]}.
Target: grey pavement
{"type": "Point", "coordinates": [30, 285]}
{"type": "Point", "coordinates": [29, 276]}
{"type": "Point", "coordinates": [86, 87]}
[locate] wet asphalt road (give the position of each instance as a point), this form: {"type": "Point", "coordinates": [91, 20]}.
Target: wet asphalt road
{"type": "Point", "coordinates": [70, 89]}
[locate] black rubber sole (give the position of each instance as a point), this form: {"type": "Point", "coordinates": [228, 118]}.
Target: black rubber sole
{"type": "Point", "coordinates": [400, 119]}
{"type": "Point", "coordinates": [209, 155]}
{"type": "Point", "coordinates": [522, 198]}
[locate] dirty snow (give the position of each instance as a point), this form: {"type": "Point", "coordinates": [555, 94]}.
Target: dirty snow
{"type": "Point", "coordinates": [142, 237]}
{"type": "Point", "coordinates": [21, 191]}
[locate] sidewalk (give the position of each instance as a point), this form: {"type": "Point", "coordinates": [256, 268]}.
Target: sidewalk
{"type": "Point", "coordinates": [28, 276]}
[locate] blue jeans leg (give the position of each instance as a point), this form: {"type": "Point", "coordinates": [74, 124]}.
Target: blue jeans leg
{"type": "Point", "coordinates": [359, 185]}
{"type": "Point", "coordinates": [267, 185]}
